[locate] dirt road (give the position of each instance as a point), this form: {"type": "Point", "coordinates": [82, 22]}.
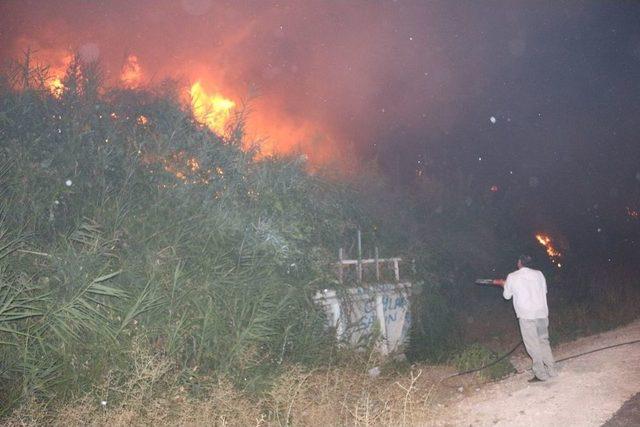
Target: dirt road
{"type": "Point", "coordinates": [587, 392]}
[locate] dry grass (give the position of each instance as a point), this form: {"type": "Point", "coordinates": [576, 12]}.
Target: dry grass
{"type": "Point", "coordinates": [330, 396]}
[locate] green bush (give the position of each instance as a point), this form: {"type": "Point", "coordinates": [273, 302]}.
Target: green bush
{"type": "Point", "coordinates": [155, 233]}
{"type": "Point", "coordinates": [477, 356]}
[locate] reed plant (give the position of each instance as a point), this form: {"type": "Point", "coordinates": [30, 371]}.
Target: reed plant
{"type": "Point", "coordinates": [127, 226]}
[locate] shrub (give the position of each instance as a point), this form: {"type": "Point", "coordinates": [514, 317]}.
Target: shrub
{"type": "Point", "coordinates": [153, 237]}
{"type": "Point", "coordinates": [477, 356]}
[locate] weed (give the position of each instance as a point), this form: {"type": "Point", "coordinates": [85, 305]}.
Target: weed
{"type": "Point", "coordinates": [476, 356]}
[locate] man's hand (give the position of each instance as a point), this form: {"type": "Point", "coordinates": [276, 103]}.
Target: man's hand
{"type": "Point", "coordinates": [498, 282]}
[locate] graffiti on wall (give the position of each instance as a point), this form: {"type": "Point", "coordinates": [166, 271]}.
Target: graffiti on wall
{"type": "Point", "coordinates": [378, 314]}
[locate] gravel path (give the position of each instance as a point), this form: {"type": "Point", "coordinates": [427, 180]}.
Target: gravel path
{"type": "Point", "coordinates": [587, 392]}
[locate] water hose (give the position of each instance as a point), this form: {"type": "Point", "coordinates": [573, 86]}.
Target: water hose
{"type": "Point", "coordinates": [504, 356]}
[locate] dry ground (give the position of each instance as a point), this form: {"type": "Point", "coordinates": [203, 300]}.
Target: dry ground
{"type": "Point", "coordinates": [587, 392]}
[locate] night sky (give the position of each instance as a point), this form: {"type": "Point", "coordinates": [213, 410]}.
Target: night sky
{"type": "Point", "coordinates": [539, 100]}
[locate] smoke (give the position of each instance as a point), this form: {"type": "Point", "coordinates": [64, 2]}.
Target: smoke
{"type": "Point", "coordinates": [322, 76]}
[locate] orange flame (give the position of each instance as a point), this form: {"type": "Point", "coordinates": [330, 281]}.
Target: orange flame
{"type": "Point", "coordinates": [212, 110]}
{"type": "Point", "coordinates": [131, 74]}
{"type": "Point", "coordinates": [268, 128]}
{"type": "Point", "coordinates": [552, 252]}
{"type": "Point", "coordinates": [57, 73]}
{"type": "Point", "coordinates": [56, 87]}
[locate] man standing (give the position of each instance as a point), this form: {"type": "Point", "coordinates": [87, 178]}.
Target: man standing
{"type": "Point", "coordinates": [528, 288]}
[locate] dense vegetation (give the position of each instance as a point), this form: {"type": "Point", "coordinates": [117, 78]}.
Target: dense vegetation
{"type": "Point", "coordinates": [125, 224]}
{"type": "Point", "coordinates": [134, 242]}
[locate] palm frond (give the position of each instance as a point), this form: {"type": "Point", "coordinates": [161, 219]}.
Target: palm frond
{"type": "Point", "coordinates": [146, 301]}
{"type": "Point", "coordinates": [82, 313]}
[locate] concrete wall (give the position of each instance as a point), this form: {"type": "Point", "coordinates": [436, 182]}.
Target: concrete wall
{"type": "Point", "coordinates": [359, 314]}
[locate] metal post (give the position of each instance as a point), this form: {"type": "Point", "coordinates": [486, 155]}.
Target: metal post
{"type": "Point", "coordinates": [377, 265]}
{"type": "Point", "coordinates": [396, 269]}
{"type": "Point", "coordinates": [340, 266]}
{"type": "Point", "coordinates": [359, 256]}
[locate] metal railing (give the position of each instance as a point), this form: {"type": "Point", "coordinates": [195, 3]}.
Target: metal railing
{"type": "Point", "coordinates": [359, 263]}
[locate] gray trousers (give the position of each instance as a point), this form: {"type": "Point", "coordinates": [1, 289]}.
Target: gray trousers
{"type": "Point", "coordinates": [535, 335]}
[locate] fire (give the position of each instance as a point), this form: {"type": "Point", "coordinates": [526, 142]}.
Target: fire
{"type": "Point", "coordinates": [131, 73]}
{"type": "Point", "coordinates": [553, 253]}
{"type": "Point", "coordinates": [212, 110]}
{"type": "Point", "coordinates": [56, 74]}
{"type": "Point", "coordinates": [270, 129]}
{"type": "Point", "coordinates": [56, 87]}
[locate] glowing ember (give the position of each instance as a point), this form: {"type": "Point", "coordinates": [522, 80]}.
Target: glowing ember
{"type": "Point", "coordinates": [212, 110]}
{"type": "Point", "coordinates": [186, 169]}
{"type": "Point", "coordinates": [553, 253]}
{"type": "Point", "coordinates": [142, 120]}
{"type": "Point", "coordinates": [193, 164]}
{"type": "Point", "coordinates": [175, 165]}
{"type": "Point", "coordinates": [131, 74]}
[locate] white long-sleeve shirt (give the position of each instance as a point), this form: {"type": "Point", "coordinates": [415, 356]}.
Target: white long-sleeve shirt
{"type": "Point", "coordinates": [528, 288]}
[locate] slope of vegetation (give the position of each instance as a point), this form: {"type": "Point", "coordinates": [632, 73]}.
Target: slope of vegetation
{"type": "Point", "coordinates": [128, 226]}
{"type": "Point", "coordinates": [143, 257]}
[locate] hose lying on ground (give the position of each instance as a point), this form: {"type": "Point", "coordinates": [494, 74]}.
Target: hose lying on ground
{"type": "Point", "coordinates": [504, 356]}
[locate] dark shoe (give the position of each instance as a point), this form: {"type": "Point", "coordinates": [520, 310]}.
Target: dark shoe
{"type": "Point", "coordinates": [535, 380]}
